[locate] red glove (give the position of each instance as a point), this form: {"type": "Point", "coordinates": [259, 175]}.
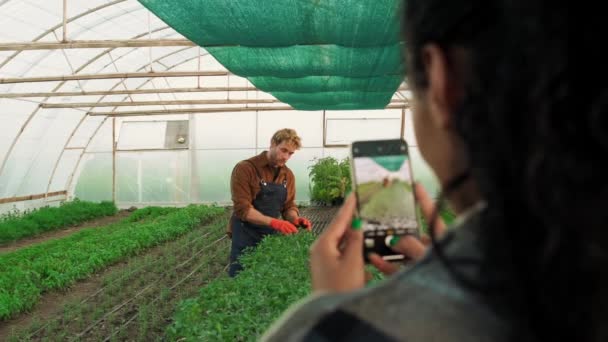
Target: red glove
{"type": "Point", "coordinates": [302, 222]}
{"type": "Point", "coordinates": [283, 226]}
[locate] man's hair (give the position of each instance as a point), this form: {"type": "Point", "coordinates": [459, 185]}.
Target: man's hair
{"type": "Point", "coordinates": [289, 135]}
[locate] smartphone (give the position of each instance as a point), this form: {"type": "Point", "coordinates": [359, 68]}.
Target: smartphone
{"type": "Point", "coordinates": [383, 184]}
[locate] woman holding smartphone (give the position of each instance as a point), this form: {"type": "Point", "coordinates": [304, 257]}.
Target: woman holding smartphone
{"type": "Point", "coordinates": [519, 162]}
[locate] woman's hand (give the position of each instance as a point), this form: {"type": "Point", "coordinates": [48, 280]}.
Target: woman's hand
{"type": "Point", "coordinates": [336, 257]}
{"type": "Point", "coordinates": [411, 247]}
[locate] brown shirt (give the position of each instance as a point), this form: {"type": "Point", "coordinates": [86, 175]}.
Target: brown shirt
{"type": "Point", "coordinates": [245, 184]}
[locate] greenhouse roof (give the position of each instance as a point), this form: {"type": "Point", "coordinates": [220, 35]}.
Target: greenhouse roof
{"type": "Point", "coordinates": [73, 72]}
{"type": "Point", "coordinates": [308, 55]}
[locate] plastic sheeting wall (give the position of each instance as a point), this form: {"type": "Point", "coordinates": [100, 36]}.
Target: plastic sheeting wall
{"type": "Point", "coordinates": [219, 141]}
{"type": "Point", "coordinates": [32, 161]}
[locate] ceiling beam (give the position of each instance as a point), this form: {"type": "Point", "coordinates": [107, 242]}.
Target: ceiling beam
{"type": "Point", "coordinates": [156, 103]}
{"type": "Point", "coordinates": [209, 110]}
{"type": "Point", "coordinates": [187, 111]}
{"type": "Point", "coordinates": [168, 103]}
{"type": "Point", "coordinates": [94, 44]}
{"type": "Point", "coordinates": [135, 91]}
{"type": "Point", "coordinates": [128, 92]}
{"type": "Point", "coordinates": [113, 75]}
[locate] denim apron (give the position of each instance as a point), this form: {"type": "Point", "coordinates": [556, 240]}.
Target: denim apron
{"type": "Point", "coordinates": [269, 201]}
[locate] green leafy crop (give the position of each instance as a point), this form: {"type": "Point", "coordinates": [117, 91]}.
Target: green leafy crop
{"type": "Point", "coordinates": [52, 218]}
{"type": "Point", "coordinates": [27, 273]}
{"type": "Point", "coordinates": [275, 276]}
{"type": "Point", "coordinates": [330, 180]}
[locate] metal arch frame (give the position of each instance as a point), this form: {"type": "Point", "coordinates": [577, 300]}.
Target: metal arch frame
{"type": "Point", "coordinates": [81, 15]}
{"type": "Point", "coordinates": [69, 184]}
{"type": "Point", "coordinates": [70, 179]}
{"type": "Point", "coordinates": [64, 22]}
{"type": "Point", "coordinates": [67, 142]}
{"type": "Point", "coordinates": [67, 20]}
{"type": "Point", "coordinates": [150, 79]}
{"type": "Point", "coordinates": [133, 50]}
{"type": "Point", "coordinates": [394, 104]}
{"type": "Point", "coordinates": [107, 51]}
{"type": "Point", "coordinates": [62, 83]}
{"type": "Point", "coordinates": [64, 39]}
{"type": "Point", "coordinates": [37, 154]}
{"type": "Point", "coordinates": [122, 81]}
{"type": "Point", "coordinates": [51, 178]}
{"type": "Point", "coordinates": [33, 114]}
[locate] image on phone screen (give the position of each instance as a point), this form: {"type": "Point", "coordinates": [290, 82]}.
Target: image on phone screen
{"type": "Point", "coordinates": [385, 195]}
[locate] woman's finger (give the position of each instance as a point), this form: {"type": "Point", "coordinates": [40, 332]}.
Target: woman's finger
{"type": "Point", "coordinates": [382, 265]}
{"type": "Point", "coordinates": [410, 247]}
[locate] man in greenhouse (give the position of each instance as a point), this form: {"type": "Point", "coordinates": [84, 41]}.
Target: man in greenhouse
{"type": "Point", "coordinates": [263, 189]}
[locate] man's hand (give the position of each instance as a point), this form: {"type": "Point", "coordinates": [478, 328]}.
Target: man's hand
{"type": "Point", "coordinates": [282, 226]}
{"type": "Point", "coordinates": [302, 222]}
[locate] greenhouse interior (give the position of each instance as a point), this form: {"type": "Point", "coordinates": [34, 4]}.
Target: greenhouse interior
{"type": "Point", "coordinates": [120, 125]}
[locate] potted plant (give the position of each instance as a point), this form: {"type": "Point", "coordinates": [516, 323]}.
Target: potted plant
{"type": "Point", "coordinates": [329, 180]}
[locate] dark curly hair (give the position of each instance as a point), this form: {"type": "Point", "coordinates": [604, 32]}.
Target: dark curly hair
{"type": "Point", "coordinates": [537, 156]}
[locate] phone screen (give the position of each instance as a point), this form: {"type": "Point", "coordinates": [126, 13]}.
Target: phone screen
{"type": "Point", "coordinates": [385, 196]}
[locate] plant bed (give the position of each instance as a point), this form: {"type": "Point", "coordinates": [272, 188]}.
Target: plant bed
{"type": "Point", "coordinates": [151, 285]}
{"type": "Point", "coordinates": [275, 275]}
{"type": "Point", "coordinates": [15, 226]}
{"type": "Point", "coordinates": [27, 273]}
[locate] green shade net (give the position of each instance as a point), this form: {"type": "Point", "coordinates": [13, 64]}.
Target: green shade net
{"type": "Point", "coordinates": [311, 54]}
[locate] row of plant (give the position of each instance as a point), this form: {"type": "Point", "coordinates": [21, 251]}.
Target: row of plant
{"type": "Point", "coordinates": [15, 227]}
{"type": "Point", "coordinates": [151, 284]}
{"type": "Point", "coordinates": [275, 275]}
{"type": "Point", "coordinates": [25, 274]}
